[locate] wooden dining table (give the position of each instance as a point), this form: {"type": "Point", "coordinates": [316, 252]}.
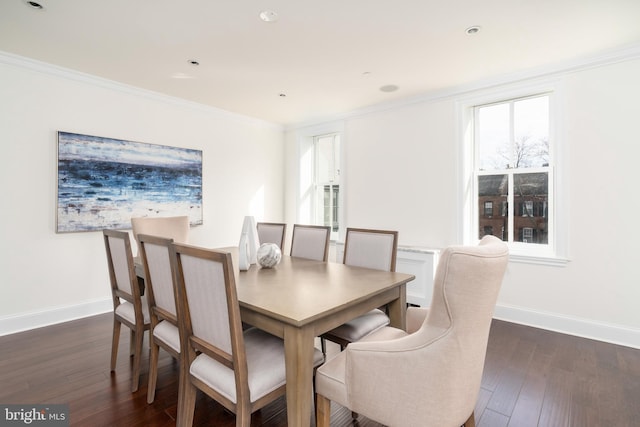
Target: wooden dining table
{"type": "Point", "coordinates": [299, 300]}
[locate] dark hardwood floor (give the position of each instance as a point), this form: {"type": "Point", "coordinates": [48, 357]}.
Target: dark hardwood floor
{"type": "Point", "coordinates": [532, 377]}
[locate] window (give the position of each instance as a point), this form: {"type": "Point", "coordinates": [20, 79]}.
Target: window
{"type": "Point", "coordinates": [327, 180]}
{"type": "Point", "coordinates": [513, 166]}
{"type": "Point", "coordinates": [320, 192]}
{"type": "Point", "coordinates": [488, 209]}
{"type": "Point", "coordinates": [510, 167]}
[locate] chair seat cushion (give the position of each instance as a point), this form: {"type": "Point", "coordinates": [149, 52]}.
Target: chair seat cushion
{"type": "Point", "coordinates": [358, 328]}
{"type": "Point", "coordinates": [168, 333]}
{"type": "Point", "coordinates": [330, 379]}
{"type": "Point", "coordinates": [126, 311]}
{"type": "Point", "coordinates": [265, 365]}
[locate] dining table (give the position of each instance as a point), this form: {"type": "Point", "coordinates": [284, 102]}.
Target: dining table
{"type": "Point", "coordinates": [300, 299]}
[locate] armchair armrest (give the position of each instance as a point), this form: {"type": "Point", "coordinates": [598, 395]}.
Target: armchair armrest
{"type": "Point", "coordinates": [398, 367]}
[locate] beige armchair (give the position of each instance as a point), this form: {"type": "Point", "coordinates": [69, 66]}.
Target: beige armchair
{"type": "Point", "coordinates": [169, 227]}
{"type": "Point", "coordinates": [430, 377]}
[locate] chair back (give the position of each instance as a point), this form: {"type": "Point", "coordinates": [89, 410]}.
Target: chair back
{"type": "Point", "coordinates": [171, 227]}
{"type": "Point", "coordinates": [208, 310]}
{"type": "Point", "coordinates": [442, 362]}
{"type": "Point", "coordinates": [159, 283]}
{"type": "Point", "coordinates": [311, 242]}
{"type": "Point", "coordinates": [374, 249]}
{"type": "Point", "coordinates": [271, 232]}
{"type": "Point", "coordinates": [122, 274]}
{"type": "Point", "coordinates": [466, 287]}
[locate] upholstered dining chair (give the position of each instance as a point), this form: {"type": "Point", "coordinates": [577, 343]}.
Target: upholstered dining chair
{"type": "Point", "coordinates": [169, 227]}
{"type": "Point", "coordinates": [242, 370]}
{"type": "Point", "coordinates": [310, 241]}
{"type": "Point", "coordinates": [272, 232]}
{"type": "Point", "coordinates": [429, 377]}
{"type": "Point", "coordinates": [367, 248]}
{"type": "Point", "coordinates": [159, 287]}
{"type": "Point", "coordinates": [129, 307]}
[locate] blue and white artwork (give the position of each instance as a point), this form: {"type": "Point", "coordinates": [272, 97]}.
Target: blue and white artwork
{"type": "Point", "coordinates": [103, 182]}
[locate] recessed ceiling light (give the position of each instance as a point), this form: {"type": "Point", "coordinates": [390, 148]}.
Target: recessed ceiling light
{"type": "Point", "coordinates": [193, 62]}
{"type": "Point", "coordinates": [389, 88]}
{"type": "Point", "coordinates": [472, 30]}
{"type": "Point", "coordinates": [268, 16]}
{"type": "Point", "coordinates": [34, 5]}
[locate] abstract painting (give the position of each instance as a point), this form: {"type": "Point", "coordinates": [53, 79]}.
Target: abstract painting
{"type": "Point", "coordinates": [103, 182]}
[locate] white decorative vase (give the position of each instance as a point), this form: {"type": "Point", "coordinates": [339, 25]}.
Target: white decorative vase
{"type": "Point", "coordinates": [243, 253]}
{"type": "Point", "coordinates": [269, 255]}
{"type": "Point", "coordinates": [249, 228]}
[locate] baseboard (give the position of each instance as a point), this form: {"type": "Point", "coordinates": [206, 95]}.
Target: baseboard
{"type": "Point", "coordinates": [600, 331]}
{"type": "Point", "coordinates": [614, 334]}
{"type": "Point", "coordinates": [32, 320]}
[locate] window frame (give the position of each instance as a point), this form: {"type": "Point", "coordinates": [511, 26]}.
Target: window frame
{"type": "Point", "coordinates": [555, 252]}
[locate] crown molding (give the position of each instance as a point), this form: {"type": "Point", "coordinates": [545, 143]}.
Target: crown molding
{"type": "Point", "coordinates": [610, 57]}
{"type": "Point", "coordinates": [77, 76]}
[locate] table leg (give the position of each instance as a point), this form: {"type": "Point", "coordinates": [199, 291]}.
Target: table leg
{"type": "Point", "coordinates": [298, 345]}
{"type": "Point", "coordinates": [398, 309]}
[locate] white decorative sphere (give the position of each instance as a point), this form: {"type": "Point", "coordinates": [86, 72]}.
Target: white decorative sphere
{"type": "Point", "coordinates": [268, 255]}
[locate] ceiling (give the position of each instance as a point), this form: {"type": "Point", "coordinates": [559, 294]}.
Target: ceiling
{"type": "Point", "coordinates": [319, 59]}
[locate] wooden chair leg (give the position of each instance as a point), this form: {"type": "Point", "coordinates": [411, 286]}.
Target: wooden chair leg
{"type": "Point", "coordinates": [137, 356]}
{"type": "Point", "coordinates": [114, 344]}
{"type": "Point", "coordinates": [243, 417]}
{"type": "Point", "coordinates": [132, 342]}
{"type": "Point", "coordinates": [323, 411]}
{"type": "Point", "coordinates": [471, 422]}
{"type": "Point", "coordinates": [153, 369]}
{"type": "Point", "coordinates": [186, 402]}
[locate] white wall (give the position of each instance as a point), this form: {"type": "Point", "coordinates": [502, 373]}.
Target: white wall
{"type": "Point", "coordinates": [410, 153]}
{"type": "Point", "coordinates": [47, 277]}
{"type": "Point", "coordinates": [401, 172]}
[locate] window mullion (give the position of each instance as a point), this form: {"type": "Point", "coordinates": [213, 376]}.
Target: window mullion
{"type": "Point", "coordinates": [512, 165]}
{"type": "Point", "coordinates": [511, 207]}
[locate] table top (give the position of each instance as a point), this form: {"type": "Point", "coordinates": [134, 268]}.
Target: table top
{"type": "Point", "coordinates": [299, 291]}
